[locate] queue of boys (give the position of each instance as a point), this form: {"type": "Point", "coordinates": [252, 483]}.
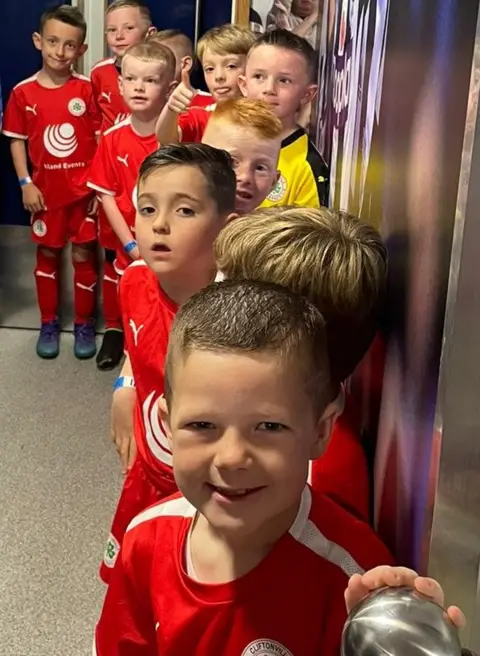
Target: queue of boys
{"type": "Point", "coordinates": [235, 298]}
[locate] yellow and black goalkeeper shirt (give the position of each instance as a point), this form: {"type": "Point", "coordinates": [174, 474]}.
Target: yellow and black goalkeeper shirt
{"type": "Point", "coordinates": [303, 174]}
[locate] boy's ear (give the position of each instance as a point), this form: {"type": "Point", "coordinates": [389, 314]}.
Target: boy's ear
{"type": "Point", "coordinates": [324, 430]}
{"type": "Point", "coordinates": [309, 94]}
{"type": "Point", "coordinates": [187, 63]}
{"type": "Point", "coordinates": [37, 40]}
{"type": "Point", "coordinates": [242, 85]}
{"type": "Point", "coordinates": [82, 49]}
{"type": "Point", "coordinates": [165, 418]}
{"type": "Point", "coordinates": [151, 30]}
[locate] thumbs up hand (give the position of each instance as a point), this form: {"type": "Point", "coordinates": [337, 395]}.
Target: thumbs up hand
{"type": "Point", "coordinates": [182, 95]}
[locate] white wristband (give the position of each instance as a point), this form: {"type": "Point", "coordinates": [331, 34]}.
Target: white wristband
{"type": "Point", "coordinates": [124, 381]}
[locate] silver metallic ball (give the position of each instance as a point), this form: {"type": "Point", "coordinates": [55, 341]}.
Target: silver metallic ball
{"type": "Point", "coordinates": [399, 622]}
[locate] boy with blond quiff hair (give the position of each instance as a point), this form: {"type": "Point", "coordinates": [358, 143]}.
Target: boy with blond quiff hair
{"type": "Point", "coordinates": [222, 52]}
{"type": "Point", "coordinates": [340, 265]}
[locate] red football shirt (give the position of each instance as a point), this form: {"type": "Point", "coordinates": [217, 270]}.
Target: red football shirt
{"type": "Point", "coordinates": [192, 123]}
{"type": "Point", "coordinates": [291, 604]}
{"type": "Point", "coordinates": [202, 99]}
{"type": "Point", "coordinates": [115, 170]}
{"type": "Point", "coordinates": [60, 126]}
{"type": "Point", "coordinates": [341, 473]}
{"type": "Point", "coordinates": [106, 91]}
{"type": "Point", "coordinates": [147, 315]}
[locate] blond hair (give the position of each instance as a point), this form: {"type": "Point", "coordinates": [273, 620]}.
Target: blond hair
{"type": "Point", "coordinates": [254, 115]}
{"type": "Point", "coordinates": [332, 258]}
{"type": "Point", "coordinates": [134, 4]}
{"type": "Point", "coordinates": [185, 44]}
{"type": "Point", "coordinates": [226, 40]}
{"type": "Point", "coordinates": [149, 51]}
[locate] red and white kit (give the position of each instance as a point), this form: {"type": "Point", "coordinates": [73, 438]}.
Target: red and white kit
{"type": "Point", "coordinates": [106, 90]}
{"type": "Point", "coordinates": [147, 315]}
{"type": "Point", "coordinates": [115, 171]}
{"type": "Point", "coordinates": [192, 123]}
{"type": "Point", "coordinates": [291, 604]}
{"type": "Point", "coordinates": [60, 125]}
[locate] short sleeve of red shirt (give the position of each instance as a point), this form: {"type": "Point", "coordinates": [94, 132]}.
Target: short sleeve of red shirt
{"type": "Point", "coordinates": [192, 124]}
{"type": "Point", "coordinates": [127, 624]}
{"type": "Point", "coordinates": [102, 172]}
{"type": "Point", "coordinates": [14, 123]}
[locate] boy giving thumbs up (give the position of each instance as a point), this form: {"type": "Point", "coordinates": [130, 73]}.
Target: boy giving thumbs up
{"type": "Point", "coordinates": [179, 120]}
{"type": "Point", "coordinates": [222, 52]}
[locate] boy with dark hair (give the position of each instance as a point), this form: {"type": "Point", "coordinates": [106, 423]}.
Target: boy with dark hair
{"type": "Point", "coordinates": [54, 113]}
{"type": "Point", "coordinates": [247, 405]}
{"type": "Point", "coordinates": [147, 77]}
{"type": "Point", "coordinates": [281, 70]}
{"type": "Point", "coordinates": [186, 194]}
{"type": "Point", "coordinates": [128, 22]}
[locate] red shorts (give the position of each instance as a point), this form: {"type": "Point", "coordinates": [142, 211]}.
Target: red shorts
{"type": "Point", "coordinates": [106, 236]}
{"type": "Point", "coordinates": [137, 495]}
{"type": "Point", "coordinates": [55, 228]}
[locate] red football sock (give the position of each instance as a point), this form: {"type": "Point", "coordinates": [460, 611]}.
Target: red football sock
{"type": "Point", "coordinates": [85, 283]}
{"type": "Point", "coordinates": [111, 307]}
{"type": "Point", "coordinates": [46, 278]}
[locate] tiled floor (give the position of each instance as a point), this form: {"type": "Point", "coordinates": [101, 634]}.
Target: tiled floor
{"type": "Point", "coordinates": [59, 482]}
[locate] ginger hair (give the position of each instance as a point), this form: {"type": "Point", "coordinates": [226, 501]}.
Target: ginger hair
{"type": "Point", "coordinates": [254, 115]}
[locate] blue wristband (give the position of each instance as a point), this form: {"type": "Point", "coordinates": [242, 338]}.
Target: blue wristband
{"type": "Point", "coordinates": [128, 248]}
{"type": "Point", "coordinates": [24, 181]}
{"type": "Point", "coordinates": [124, 381]}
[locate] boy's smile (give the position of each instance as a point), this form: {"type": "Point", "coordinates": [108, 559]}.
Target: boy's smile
{"type": "Point", "coordinates": [243, 431]}
{"type": "Point", "coordinates": [60, 44]}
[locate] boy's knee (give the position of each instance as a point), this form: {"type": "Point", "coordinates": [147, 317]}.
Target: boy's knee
{"type": "Point", "coordinates": [82, 252]}
{"type": "Point", "coordinates": [52, 253]}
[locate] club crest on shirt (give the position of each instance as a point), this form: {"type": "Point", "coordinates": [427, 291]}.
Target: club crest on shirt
{"type": "Point", "coordinates": [77, 107]}
{"type": "Point", "coordinates": [39, 228]}
{"type": "Point", "coordinates": [266, 648]}
{"type": "Point", "coordinates": [279, 190]}
{"type": "Point", "coordinates": [111, 552]}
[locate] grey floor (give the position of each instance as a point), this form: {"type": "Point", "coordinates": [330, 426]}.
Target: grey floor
{"type": "Point", "coordinates": [59, 482]}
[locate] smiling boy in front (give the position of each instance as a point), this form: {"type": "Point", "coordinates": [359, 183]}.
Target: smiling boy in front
{"type": "Point", "coordinates": [247, 559]}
